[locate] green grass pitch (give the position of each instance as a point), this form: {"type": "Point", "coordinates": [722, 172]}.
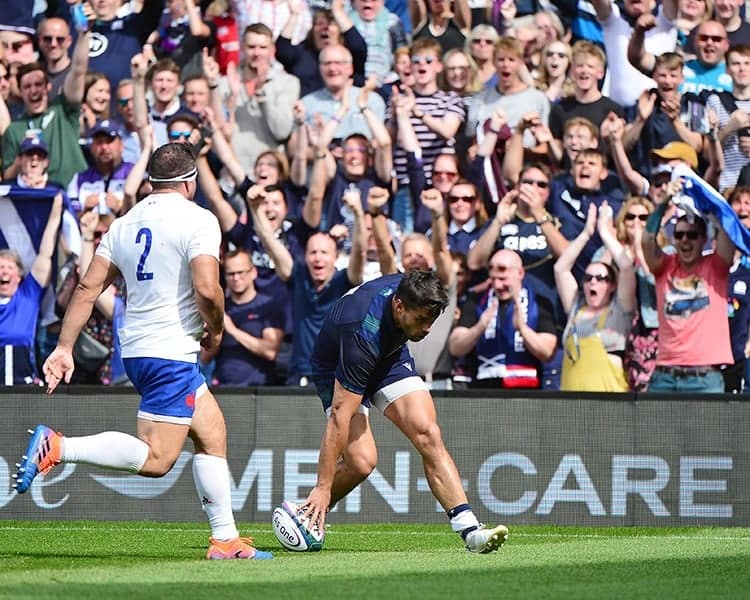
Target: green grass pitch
{"type": "Point", "coordinates": [107, 561]}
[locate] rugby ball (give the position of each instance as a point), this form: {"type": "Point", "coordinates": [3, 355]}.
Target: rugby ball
{"type": "Point", "coordinates": [292, 531]}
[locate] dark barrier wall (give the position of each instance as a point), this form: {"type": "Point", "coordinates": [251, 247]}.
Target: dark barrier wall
{"type": "Point", "coordinates": [531, 459]}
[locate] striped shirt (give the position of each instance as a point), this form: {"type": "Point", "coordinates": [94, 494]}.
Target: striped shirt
{"type": "Point", "coordinates": [734, 158]}
{"type": "Point", "coordinates": [438, 105]}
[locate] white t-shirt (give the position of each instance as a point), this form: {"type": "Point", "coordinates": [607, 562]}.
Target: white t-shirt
{"type": "Point", "coordinates": [623, 83]}
{"type": "Point", "coordinates": [152, 246]}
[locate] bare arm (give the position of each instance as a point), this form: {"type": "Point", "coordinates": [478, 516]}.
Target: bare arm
{"type": "Point", "coordinates": [479, 254]}
{"type": "Point", "coordinates": [541, 344]}
{"type": "Point", "coordinates": [462, 14]}
{"type": "Point", "coordinates": [433, 200]}
{"type": "Point", "coordinates": [4, 116]}
{"type": "Point", "coordinates": [41, 268]}
{"type": "Point", "coordinates": [76, 78]}
{"type": "Point", "coordinates": [637, 55]}
{"type": "Point", "coordinates": [279, 253]}
{"type": "Point", "coordinates": [380, 134]}
{"type": "Point", "coordinates": [89, 220]}
{"type": "Point", "coordinates": [209, 297]}
{"type": "Point", "coordinates": [138, 172]}
{"type": "Point", "coordinates": [266, 346]}
{"type": "Point", "coordinates": [634, 180]}
{"type": "Point", "coordinates": [217, 203]}
{"type": "Point", "coordinates": [197, 26]}
{"type": "Point", "coordinates": [725, 247]}
{"type": "Point", "coordinates": [298, 145]}
{"type": "Point", "coordinates": [462, 340]}
{"type": "Point", "coordinates": [138, 67]}
{"type": "Point", "coordinates": [567, 286]}
{"type": "Point", "coordinates": [603, 9]}
{"type": "Point", "coordinates": [652, 253]}
{"type": "Point", "coordinates": [358, 256]}
{"type": "Point", "coordinates": [626, 279]}
{"type": "Point", "coordinates": [377, 198]}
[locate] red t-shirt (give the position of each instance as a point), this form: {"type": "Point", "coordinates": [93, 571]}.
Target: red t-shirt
{"type": "Point", "coordinates": [692, 304]}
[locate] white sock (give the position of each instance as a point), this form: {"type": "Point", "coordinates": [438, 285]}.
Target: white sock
{"type": "Point", "coordinates": [110, 449]}
{"type": "Point", "coordinates": [463, 520]}
{"type": "Point", "coordinates": [211, 475]}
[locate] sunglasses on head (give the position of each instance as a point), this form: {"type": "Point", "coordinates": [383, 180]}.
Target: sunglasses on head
{"type": "Point", "coordinates": [176, 135]}
{"type": "Point", "coordinates": [48, 39]}
{"type": "Point", "coordinates": [537, 182]}
{"type": "Point", "coordinates": [691, 235]}
{"type": "Point", "coordinates": [633, 217]}
{"type": "Point", "coordinates": [454, 199]}
{"type": "Point", "coordinates": [418, 60]}
{"type": "Point", "coordinates": [588, 277]}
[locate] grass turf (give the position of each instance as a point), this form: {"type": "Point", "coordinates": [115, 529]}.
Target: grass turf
{"type": "Point", "coordinates": [108, 561]}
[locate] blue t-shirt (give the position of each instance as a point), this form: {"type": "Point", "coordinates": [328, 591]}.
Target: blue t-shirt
{"type": "Point", "coordinates": [362, 324]}
{"type": "Point", "coordinates": [309, 308]}
{"type": "Point", "coordinates": [235, 364]}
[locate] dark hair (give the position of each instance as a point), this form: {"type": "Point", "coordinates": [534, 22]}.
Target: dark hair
{"type": "Point", "coordinates": [170, 160]}
{"type": "Point", "coordinates": [239, 252]}
{"type": "Point", "coordinates": [697, 221]}
{"type": "Point", "coordinates": [422, 290]}
{"type": "Point", "coordinates": [29, 68]}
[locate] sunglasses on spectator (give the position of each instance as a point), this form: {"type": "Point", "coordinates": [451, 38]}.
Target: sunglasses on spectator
{"type": "Point", "coordinates": [691, 235]}
{"type": "Point", "coordinates": [123, 101]}
{"type": "Point", "coordinates": [551, 53]}
{"type": "Point", "coordinates": [588, 277]}
{"type": "Point", "coordinates": [176, 135]}
{"type": "Point", "coordinates": [543, 185]}
{"type": "Point", "coordinates": [48, 39]}
{"type": "Point", "coordinates": [633, 217]}
{"type": "Point", "coordinates": [418, 60]}
{"type": "Point", "coordinates": [446, 174]}
{"type": "Point", "coordinates": [716, 39]}
{"type": "Point", "coordinates": [15, 46]}
{"type": "Point", "coordinates": [482, 41]}
{"type": "Point", "coordinates": [454, 199]}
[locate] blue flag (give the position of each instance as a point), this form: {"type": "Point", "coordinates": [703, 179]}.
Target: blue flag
{"type": "Point", "coordinates": [708, 201]}
{"type": "Point", "coordinates": [23, 217]}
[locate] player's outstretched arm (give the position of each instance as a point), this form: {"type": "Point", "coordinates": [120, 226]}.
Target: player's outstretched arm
{"type": "Point", "coordinates": [59, 366]}
{"type": "Point", "coordinates": [335, 436]}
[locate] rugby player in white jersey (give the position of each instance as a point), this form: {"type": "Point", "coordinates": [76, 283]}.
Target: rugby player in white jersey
{"type": "Point", "coordinates": [167, 249]}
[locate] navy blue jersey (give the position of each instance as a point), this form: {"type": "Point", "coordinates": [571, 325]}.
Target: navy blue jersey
{"type": "Point", "coordinates": [359, 335]}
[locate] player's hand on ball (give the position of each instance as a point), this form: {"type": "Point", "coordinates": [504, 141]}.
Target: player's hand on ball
{"type": "Point", "coordinates": [316, 506]}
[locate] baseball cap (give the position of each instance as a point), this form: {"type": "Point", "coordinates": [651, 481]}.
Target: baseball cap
{"type": "Point", "coordinates": [106, 127]}
{"type": "Point", "coordinates": [33, 143]}
{"type": "Point", "coordinates": [676, 150]}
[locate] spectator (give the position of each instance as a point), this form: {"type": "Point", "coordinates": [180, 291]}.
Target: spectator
{"type": "Point", "coordinates": [734, 121]}
{"type": "Point", "coordinates": [57, 120]}
{"type": "Point", "coordinates": [227, 41]}
{"type": "Point", "coordinates": [116, 39]}
{"type": "Point", "coordinates": [445, 21]}
{"type": "Point", "coordinates": [274, 14]}
{"type": "Point", "coordinates": [383, 32]}
{"type": "Point", "coordinates": [18, 46]}
{"type": "Point", "coordinates": [266, 95]}
{"type": "Point", "coordinates": [436, 117]}
{"type": "Point", "coordinates": [131, 145]}
{"type": "Point", "coordinates": [96, 99]}
{"type": "Point", "coordinates": [692, 296]}
{"type": "Point", "coordinates": [587, 70]}
{"type": "Point", "coordinates": [330, 28]}
{"type": "Point", "coordinates": [511, 329]}
{"type": "Point", "coordinates": [101, 186]}
{"type": "Point", "coordinates": [553, 74]}
{"type": "Point", "coordinates": [181, 35]}
{"type": "Point", "coordinates": [571, 195]}
{"type": "Point", "coordinates": [704, 72]}
{"type": "Point", "coordinates": [737, 375]}
{"type": "Point", "coordinates": [729, 14]}
{"type": "Point", "coordinates": [623, 80]}
{"type": "Point", "coordinates": [460, 75]}
{"type": "Point", "coordinates": [481, 46]}
{"type": "Point", "coordinates": [336, 71]}
{"type": "Point", "coordinates": [599, 318]}
{"type": "Point", "coordinates": [163, 79]}
{"type": "Point", "coordinates": [511, 94]}
{"type": "Point", "coordinates": [53, 37]}
{"type": "Point", "coordinates": [253, 328]}
{"type": "Point", "coordinates": [315, 282]}
{"type": "Point", "coordinates": [20, 299]}
{"type": "Point", "coordinates": [663, 115]}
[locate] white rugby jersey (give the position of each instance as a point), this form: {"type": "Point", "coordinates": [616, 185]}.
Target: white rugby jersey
{"type": "Point", "coordinates": [152, 246]}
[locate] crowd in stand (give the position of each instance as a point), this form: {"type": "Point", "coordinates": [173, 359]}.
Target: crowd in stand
{"type": "Point", "coordinates": [575, 172]}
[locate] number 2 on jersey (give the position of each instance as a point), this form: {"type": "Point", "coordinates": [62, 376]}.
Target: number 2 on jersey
{"type": "Point", "coordinates": [140, 274]}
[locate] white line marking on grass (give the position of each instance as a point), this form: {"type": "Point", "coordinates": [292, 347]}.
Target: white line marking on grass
{"type": "Point", "coordinates": [409, 532]}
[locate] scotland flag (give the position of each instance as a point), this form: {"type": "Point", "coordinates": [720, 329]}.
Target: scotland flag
{"type": "Point", "coordinates": [23, 216]}
{"type": "Point", "coordinates": [705, 200]}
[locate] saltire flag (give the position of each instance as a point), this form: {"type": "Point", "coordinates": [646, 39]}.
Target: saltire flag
{"type": "Point", "coordinates": [23, 217]}
{"type": "Point", "coordinates": [707, 201]}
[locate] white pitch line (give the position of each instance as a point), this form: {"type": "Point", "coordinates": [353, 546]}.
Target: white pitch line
{"type": "Point", "coordinates": [384, 533]}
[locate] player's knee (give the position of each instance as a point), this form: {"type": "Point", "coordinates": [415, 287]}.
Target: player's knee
{"type": "Point", "coordinates": [428, 439]}
{"type": "Point", "coordinates": [157, 467]}
{"type": "Point", "coordinates": [363, 464]}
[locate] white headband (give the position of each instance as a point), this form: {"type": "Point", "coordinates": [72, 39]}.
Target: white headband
{"type": "Point", "coordinates": [189, 176]}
